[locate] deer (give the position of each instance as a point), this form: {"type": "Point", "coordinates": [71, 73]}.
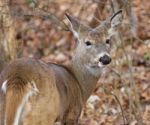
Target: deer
{"type": "Point", "coordinates": [34, 92]}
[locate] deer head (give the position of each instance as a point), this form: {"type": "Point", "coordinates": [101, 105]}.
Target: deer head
{"type": "Point", "coordinates": [93, 45]}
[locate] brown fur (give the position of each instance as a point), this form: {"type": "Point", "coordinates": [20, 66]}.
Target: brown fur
{"type": "Point", "coordinates": [57, 93]}
{"type": "Point", "coordinates": [49, 79]}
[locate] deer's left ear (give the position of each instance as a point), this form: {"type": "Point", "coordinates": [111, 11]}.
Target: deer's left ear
{"type": "Point", "coordinates": [116, 21]}
{"type": "Point", "coordinates": [76, 27]}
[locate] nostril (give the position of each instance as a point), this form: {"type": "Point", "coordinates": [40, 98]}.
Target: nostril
{"type": "Point", "coordinates": [105, 59]}
{"type": "Point", "coordinates": [101, 59]}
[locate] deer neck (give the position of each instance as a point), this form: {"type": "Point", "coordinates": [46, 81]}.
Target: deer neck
{"type": "Point", "coordinates": [86, 80]}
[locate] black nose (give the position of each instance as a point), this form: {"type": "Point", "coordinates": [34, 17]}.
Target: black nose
{"type": "Point", "coordinates": [105, 59]}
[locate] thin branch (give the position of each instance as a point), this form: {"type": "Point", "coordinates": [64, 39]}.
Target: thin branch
{"type": "Point", "coordinates": [133, 86]}
{"type": "Point", "coordinates": [37, 12]}
{"type": "Point", "coordinates": [122, 112]}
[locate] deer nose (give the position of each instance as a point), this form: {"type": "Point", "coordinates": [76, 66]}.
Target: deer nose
{"type": "Point", "coordinates": [105, 60]}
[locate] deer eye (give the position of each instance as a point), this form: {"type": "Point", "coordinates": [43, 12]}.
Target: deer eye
{"type": "Point", "coordinates": [88, 43]}
{"type": "Point", "coordinates": [107, 41]}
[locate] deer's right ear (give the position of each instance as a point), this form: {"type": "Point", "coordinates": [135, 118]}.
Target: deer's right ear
{"type": "Point", "coordinates": [116, 21]}
{"type": "Point", "coordinates": [76, 27]}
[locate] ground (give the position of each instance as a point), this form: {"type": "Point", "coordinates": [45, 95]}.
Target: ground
{"type": "Point", "coordinates": [122, 94]}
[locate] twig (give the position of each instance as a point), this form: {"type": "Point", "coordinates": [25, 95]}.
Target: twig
{"type": "Point", "coordinates": [132, 84]}
{"type": "Point", "coordinates": [117, 99]}
{"type": "Point", "coordinates": [37, 12]}
{"type": "Point", "coordinates": [122, 112]}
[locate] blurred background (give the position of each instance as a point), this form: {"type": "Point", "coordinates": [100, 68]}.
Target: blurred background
{"type": "Point", "coordinates": [38, 28]}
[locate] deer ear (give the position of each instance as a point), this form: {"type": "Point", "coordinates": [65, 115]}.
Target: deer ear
{"type": "Point", "coordinates": [76, 27]}
{"type": "Point", "coordinates": [116, 21]}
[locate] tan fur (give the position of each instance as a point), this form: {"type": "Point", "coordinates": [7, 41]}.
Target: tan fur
{"type": "Point", "coordinates": [56, 92]}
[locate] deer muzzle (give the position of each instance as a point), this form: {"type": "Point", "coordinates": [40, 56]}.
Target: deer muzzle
{"type": "Point", "coordinates": [105, 59]}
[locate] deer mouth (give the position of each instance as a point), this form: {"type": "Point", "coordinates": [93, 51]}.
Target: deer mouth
{"type": "Point", "coordinates": [98, 65]}
{"type": "Point", "coordinates": [95, 66]}
{"type": "Point", "coordinates": [101, 65]}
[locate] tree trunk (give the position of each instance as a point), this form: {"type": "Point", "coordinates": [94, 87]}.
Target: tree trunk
{"type": "Point", "coordinates": [7, 35]}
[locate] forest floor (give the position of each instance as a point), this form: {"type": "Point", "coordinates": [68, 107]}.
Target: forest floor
{"type": "Point", "coordinates": [123, 92]}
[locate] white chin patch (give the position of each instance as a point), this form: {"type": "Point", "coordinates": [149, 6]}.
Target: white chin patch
{"type": "Point", "coordinates": [100, 64]}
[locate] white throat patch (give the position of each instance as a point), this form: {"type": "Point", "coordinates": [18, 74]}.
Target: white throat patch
{"type": "Point", "coordinates": [4, 86]}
